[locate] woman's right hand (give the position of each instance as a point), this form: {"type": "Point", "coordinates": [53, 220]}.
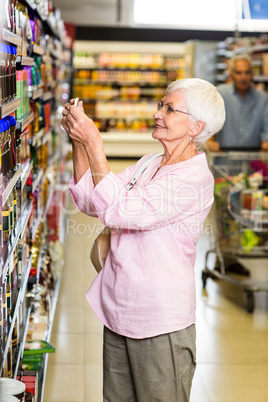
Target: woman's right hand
{"type": "Point", "coordinates": [65, 113]}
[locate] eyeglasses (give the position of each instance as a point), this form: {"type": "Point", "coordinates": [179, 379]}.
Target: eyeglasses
{"type": "Point", "coordinates": [168, 109]}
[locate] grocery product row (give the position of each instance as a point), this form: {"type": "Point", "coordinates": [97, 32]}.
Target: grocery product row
{"type": "Point", "coordinates": [120, 89]}
{"type": "Point", "coordinates": [34, 85]}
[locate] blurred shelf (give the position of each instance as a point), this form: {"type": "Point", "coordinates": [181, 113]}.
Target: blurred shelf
{"type": "Point", "coordinates": [11, 37]}
{"type": "Point", "coordinates": [25, 61]}
{"type": "Point", "coordinates": [38, 50]}
{"type": "Point", "coordinates": [22, 124]}
{"type": "Point", "coordinates": [36, 93]}
{"type": "Point", "coordinates": [7, 190]}
{"type": "Point", "coordinates": [260, 78]}
{"type": "Point", "coordinates": [9, 107]}
{"type": "Point", "coordinates": [16, 310]}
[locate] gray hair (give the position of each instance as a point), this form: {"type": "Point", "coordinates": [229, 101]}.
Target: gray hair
{"type": "Point", "coordinates": [204, 103]}
{"type": "Point", "coordinates": [239, 57]}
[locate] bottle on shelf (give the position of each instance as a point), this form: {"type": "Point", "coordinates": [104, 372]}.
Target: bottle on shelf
{"type": "Point", "coordinates": [12, 74]}
{"type": "Point", "coordinates": [5, 141]}
{"type": "Point", "coordinates": [2, 74]}
{"type": "Point", "coordinates": [4, 318]}
{"type": "Point", "coordinates": [12, 150]}
{"type": "Point", "coordinates": [1, 322]}
{"type": "Point", "coordinates": [6, 221]}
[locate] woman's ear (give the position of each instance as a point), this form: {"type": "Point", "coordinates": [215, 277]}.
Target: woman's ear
{"type": "Point", "coordinates": [197, 128]}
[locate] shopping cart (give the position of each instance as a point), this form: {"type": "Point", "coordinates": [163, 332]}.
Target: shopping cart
{"type": "Point", "coordinates": [240, 217]}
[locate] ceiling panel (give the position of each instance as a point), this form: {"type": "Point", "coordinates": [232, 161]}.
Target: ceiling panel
{"type": "Point", "coordinates": [95, 12]}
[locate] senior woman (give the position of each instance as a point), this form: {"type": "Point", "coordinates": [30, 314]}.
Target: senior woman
{"type": "Point", "coordinates": [145, 294]}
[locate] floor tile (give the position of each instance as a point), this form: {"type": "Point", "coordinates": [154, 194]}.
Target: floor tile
{"type": "Point", "coordinates": [65, 383]}
{"type": "Point", "coordinates": [93, 382]}
{"type": "Point", "coordinates": [93, 348]}
{"type": "Point", "coordinates": [91, 322]}
{"type": "Point", "coordinates": [69, 320]}
{"type": "Point", "coordinates": [69, 348]}
{"type": "Point", "coordinates": [235, 383]}
{"type": "Point", "coordinates": [198, 392]}
{"type": "Point", "coordinates": [229, 347]}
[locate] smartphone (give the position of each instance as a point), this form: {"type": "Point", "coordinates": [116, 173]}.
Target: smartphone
{"type": "Point", "coordinates": [76, 102]}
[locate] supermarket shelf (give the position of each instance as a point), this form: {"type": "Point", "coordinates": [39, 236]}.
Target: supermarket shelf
{"type": "Point", "coordinates": [27, 217]}
{"type": "Point", "coordinates": [31, 4]}
{"type": "Point", "coordinates": [49, 201]}
{"type": "Point", "coordinates": [11, 37]}
{"type": "Point", "coordinates": [260, 48]}
{"type": "Point", "coordinates": [257, 63]}
{"type": "Point", "coordinates": [132, 69]}
{"type": "Point", "coordinates": [19, 300]}
{"type": "Point", "coordinates": [47, 96]}
{"type": "Point", "coordinates": [36, 224]}
{"type": "Point", "coordinates": [36, 180]}
{"type": "Point", "coordinates": [36, 94]}
{"type": "Point", "coordinates": [129, 144]}
{"type": "Point", "coordinates": [9, 107]}
{"type": "Point", "coordinates": [124, 82]}
{"type": "Point", "coordinates": [47, 59]}
{"type": "Point", "coordinates": [38, 50]}
{"type": "Point", "coordinates": [25, 61]}
{"type": "Point", "coordinates": [47, 137]}
{"type": "Point", "coordinates": [37, 138]}
{"type": "Point", "coordinates": [260, 78]}
{"type": "Point", "coordinates": [51, 320]}
{"type": "Point", "coordinates": [8, 249]}
{"type": "Point", "coordinates": [11, 184]}
{"type": "Point", "coordinates": [26, 173]}
{"type": "Point", "coordinates": [21, 349]}
{"type": "Point", "coordinates": [22, 124]}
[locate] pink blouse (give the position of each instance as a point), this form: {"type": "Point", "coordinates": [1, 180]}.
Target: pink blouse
{"type": "Point", "coordinates": [147, 286]}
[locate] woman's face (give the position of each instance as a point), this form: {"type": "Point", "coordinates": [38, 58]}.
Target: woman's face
{"type": "Point", "coordinates": [172, 126]}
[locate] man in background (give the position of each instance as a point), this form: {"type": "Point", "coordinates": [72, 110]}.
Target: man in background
{"type": "Point", "coordinates": [246, 124]}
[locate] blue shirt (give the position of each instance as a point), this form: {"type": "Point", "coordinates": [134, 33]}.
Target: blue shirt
{"type": "Point", "coordinates": [246, 124]}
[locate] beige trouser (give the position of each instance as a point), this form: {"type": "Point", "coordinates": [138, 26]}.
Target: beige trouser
{"type": "Point", "coordinates": [158, 369]}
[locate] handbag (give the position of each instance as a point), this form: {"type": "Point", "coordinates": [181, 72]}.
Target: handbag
{"type": "Point", "coordinates": [101, 245]}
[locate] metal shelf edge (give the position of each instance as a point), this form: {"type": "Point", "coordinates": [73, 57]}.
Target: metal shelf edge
{"type": "Point", "coordinates": [21, 125]}
{"type": "Point", "coordinates": [11, 37]}
{"type": "Point", "coordinates": [19, 299]}
{"type": "Point", "coordinates": [9, 107]}
{"type": "Point", "coordinates": [26, 174]}
{"type": "Point", "coordinates": [10, 185]}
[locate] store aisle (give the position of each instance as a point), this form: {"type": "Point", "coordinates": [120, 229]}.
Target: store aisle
{"type": "Point", "coordinates": [232, 344]}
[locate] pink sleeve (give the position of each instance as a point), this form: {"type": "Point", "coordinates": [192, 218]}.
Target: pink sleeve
{"type": "Point", "coordinates": [81, 191]}
{"type": "Point", "coordinates": [174, 196]}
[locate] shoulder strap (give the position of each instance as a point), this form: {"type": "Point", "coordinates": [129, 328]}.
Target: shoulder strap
{"type": "Point", "coordinates": [141, 170]}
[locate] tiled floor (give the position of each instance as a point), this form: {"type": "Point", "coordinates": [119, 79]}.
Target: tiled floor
{"type": "Point", "coordinates": [232, 345]}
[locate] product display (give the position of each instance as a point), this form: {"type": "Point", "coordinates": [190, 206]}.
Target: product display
{"type": "Point", "coordinates": [32, 163]}
{"type": "Point", "coordinates": [120, 90]}
{"type": "Point", "coordinates": [12, 387]}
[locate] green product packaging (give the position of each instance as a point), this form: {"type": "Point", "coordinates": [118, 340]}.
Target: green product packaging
{"type": "Point", "coordinates": [37, 348]}
{"type": "Point", "coordinates": [19, 85]}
